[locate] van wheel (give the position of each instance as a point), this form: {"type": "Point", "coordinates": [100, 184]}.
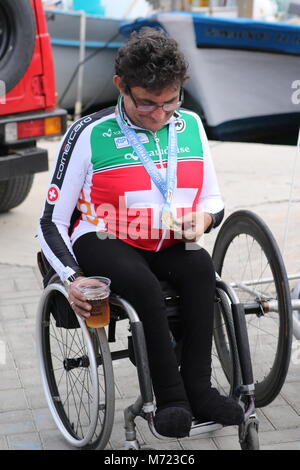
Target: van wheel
{"type": "Point", "coordinates": [14, 191]}
{"type": "Point", "coordinates": [17, 40]}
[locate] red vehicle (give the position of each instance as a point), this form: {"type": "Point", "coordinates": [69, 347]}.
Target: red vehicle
{"type": "Point", "coordinates": [27, 98]}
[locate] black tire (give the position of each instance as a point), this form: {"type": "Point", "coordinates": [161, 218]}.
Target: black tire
{"type": "Point", "coordinates": [17, 40]}
{"type": "Point", "coordinates": [14, 191]}
{"type": "Point", "coordinates": [246, 251]}
{"type": "Point", "coordinates": [225, 344]}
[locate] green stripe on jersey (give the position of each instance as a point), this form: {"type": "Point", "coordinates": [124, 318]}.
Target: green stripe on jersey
{"type": "Point", "coordinates": [110, 148]}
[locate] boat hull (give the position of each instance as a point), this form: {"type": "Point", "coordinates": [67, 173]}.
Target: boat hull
{"type": "Point", "coordinates": [243, 91]}
{"type": "Point", "coordinates": [102, 42]}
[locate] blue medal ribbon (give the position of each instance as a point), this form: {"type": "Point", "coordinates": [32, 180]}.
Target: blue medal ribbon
{"type": "Point", "coordinates": [166, 187]}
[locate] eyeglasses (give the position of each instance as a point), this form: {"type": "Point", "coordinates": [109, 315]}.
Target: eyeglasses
{"type": "Point", "coordinates": [148, 108]}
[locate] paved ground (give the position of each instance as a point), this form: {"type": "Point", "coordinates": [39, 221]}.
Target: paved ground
{"type": "Point", "coordinates": [251, 176]}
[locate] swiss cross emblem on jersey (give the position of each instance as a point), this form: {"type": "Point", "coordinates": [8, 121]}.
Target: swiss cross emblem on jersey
{"type": "Point", "coordinates": [53, 194]}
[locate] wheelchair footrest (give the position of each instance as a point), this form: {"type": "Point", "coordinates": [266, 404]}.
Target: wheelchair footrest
{"type": "Point", "coordinates": [197, 428]}
{"type": "Point", "coordinates": [201, 428]}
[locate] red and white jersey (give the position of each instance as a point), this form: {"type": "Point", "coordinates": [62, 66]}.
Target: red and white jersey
{"type": "Point", "coordinates": [100, 185]}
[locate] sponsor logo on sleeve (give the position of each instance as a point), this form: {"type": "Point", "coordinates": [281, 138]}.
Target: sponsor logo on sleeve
{"type": "Point", "coordinates": [53, 194]}
{"type": "Point", "coordinates": [69, 145]}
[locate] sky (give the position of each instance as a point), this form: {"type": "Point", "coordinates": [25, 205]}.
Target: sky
{"type": "Point", "coordinates": [118, 8]}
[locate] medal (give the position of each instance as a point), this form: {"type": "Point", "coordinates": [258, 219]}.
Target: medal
{"type": "Point", "coordinates": [169, 222]}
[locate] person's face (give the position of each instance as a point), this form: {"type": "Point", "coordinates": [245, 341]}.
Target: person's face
{"type": "Point", "coordinates": [138, 97]}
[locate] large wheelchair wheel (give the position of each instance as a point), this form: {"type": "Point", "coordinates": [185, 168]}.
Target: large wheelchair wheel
{"type": "Point", "coordinates": [76, 371]}
{"type": "Point", "coordinates": [247, 257]}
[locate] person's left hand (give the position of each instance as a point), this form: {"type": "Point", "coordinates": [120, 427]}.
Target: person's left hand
{"type": "Point", "coordinates": [194, 225]}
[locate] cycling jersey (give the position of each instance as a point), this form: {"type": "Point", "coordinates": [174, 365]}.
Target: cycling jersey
{"type": "Point", "coordinates": [100, 185]}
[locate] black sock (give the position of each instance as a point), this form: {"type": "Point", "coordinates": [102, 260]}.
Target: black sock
{"type": "Point", "coordinates": [211, 406]}
{"type": "Point", "coordinates": [173, 419]}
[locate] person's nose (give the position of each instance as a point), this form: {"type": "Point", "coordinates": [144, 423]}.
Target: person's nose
{"type": "Point", "coordinates": [158, 114]}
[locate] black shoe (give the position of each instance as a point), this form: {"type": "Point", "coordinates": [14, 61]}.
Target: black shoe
{"type": "Point", "coordinates": [215, 407]}
{"type": "Point", "coordinates": [173, 421]}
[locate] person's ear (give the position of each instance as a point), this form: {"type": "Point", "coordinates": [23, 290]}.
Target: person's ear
{"type": "Point", "coordinates": [117, 81]}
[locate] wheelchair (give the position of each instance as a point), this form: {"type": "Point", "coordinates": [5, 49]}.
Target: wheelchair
{"type": "Point", "coordinates": [251, 348]}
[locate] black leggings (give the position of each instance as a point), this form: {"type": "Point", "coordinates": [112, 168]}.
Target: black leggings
{"type": "Point", "coordinates": [135, 275]}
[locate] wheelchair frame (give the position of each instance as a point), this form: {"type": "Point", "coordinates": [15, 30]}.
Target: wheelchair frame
{"type": "Point", "coordinates": [144, 405]}
{"type": "Point", "coordinates": [236, 311]}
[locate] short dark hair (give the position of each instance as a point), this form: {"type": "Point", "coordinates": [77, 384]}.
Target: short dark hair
{"type": "Point", "coordinates": [152, 60]}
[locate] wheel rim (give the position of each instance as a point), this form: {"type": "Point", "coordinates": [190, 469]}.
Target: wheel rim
{"type": "Point", "coordinates": [69, 374]}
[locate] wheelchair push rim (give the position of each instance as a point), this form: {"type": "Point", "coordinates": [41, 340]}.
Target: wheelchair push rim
{"type": "Point", "coordinates": [69, 374]}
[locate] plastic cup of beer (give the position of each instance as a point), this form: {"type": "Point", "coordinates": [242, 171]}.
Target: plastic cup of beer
{"type": "Point", "coordinates": [96, 291]}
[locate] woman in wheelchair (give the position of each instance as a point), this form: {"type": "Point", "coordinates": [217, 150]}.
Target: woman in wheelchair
{"type": "Point", "coordinates": [142, 182]}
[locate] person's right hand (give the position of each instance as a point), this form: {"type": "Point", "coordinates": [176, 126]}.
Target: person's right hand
{"type": "Point", "coordinates": [194, 225]}
{"type": "Point", "coordinates": [77, 299]}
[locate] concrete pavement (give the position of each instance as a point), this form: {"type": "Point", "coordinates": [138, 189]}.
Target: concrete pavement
{"type": "Point", "coordinates": [251, 176]}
